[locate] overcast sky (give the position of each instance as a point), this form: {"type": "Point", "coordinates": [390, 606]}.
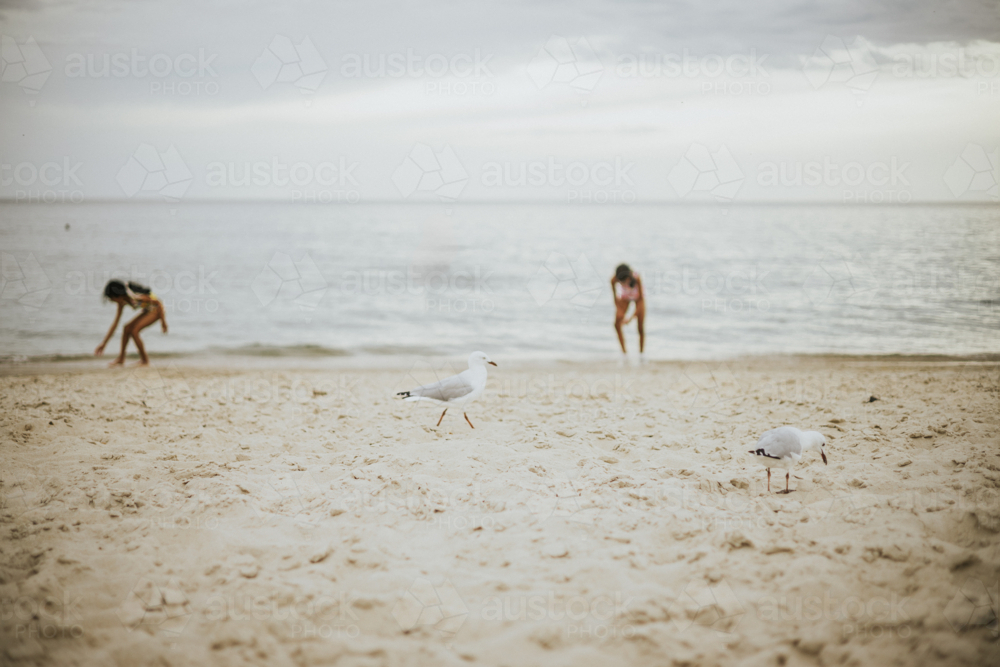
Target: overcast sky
{"type": "Point", "coordinates": [439, 101]}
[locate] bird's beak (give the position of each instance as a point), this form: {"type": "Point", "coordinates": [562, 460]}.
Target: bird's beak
{"type": "Point", "coordinates": [491, 363]}
{"type": "Point", "coordinates": [823, 454]}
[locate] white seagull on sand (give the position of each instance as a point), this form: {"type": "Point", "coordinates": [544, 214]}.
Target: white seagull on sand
{"type": "Point", "coordinates": [783, 447]}
{"type": "Point", "coordinates": [459, 389]}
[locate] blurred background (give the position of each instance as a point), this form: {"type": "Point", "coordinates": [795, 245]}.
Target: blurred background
{"type": "Point", "coordinates": [348, 180]}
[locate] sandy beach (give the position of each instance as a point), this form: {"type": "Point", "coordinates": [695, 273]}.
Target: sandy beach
{"type": "Point", "coordinates": [182, 515]}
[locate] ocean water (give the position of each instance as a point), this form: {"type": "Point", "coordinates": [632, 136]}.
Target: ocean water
{"type": "Point", "coordinates": [518, 281]}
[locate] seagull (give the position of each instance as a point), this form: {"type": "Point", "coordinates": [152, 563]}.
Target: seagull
{"type": "Point", "coordinates": [459, 389]}
{"type": "Point", "coordinates": [782, 448]}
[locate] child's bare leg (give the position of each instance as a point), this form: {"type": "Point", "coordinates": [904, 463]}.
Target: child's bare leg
{"type": "Point", "coordinates": [138, 324]}
{"type": "Point", "coordinates": [640, 314]}
{"type": "Point", "coordinates": [619, 318]}
{"type": "Point", "coordinates": [126, 336]}
{"type": "Point", "coordinates": [120, 359]}
{"type": "Point", "coordinates": [143, 358]}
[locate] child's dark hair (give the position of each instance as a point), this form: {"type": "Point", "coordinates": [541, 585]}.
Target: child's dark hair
{"type": "Point", "coordinates": [116, 289]}
{"type": "Point", "coordinates": [623, 273]}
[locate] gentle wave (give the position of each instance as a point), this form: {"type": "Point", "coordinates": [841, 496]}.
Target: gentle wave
{"type": "Point", "coordinates": [373, 354]}
{"type": "Point", "coordinates": [261, 350]}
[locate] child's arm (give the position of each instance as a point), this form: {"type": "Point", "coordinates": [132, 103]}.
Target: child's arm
{"type": "Point", "coordinates": [111, 332]}
{"type": "Point", "coordinates": [163, 318]}
{"type": "Point", "coordinates": [614, 292]}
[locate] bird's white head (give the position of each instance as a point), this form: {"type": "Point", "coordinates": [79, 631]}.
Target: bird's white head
{"type": "Point", "coordinates": [479, 359]}
{"type": "Point", "coordinates": [816, 441]}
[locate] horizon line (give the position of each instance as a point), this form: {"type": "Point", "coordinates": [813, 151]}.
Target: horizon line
{"type": "Point", "coordinates": [503, 202]}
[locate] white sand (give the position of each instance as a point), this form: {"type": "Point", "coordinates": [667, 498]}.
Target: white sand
{"type": "Point", "coordinates": [178, 516]}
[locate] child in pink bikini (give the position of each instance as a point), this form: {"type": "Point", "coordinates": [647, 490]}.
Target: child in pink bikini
{"type": "Point", "coordinates": [138, 298]}
{"type": "Point", "coordinates": [626, 287]}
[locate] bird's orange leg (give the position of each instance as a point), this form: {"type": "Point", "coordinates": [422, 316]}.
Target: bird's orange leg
{"type": "Point", "coordinates": [442, 417]}
{"type": "Point", "coordinates": [787, 490]}
{"type": "Point", "coordinates": [467, 419]}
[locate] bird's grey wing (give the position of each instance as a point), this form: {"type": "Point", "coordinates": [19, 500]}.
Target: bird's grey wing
{"type": "Point", "coordinates": [779, 443]}
{"type": "Point", "coordinates": [447, 389]}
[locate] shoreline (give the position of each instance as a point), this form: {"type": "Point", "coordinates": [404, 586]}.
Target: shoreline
{"type": "Point", "coordinates": [57, 364]}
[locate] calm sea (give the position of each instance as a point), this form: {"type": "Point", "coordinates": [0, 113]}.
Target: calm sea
{"type": "Point", "coordinates": [517, 281]}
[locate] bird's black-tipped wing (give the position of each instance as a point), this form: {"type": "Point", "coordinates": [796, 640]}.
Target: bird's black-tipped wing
{"type": "Point", "coordinates": [448, 389]}
{"type": "Point", "coordinates": [778, 443]}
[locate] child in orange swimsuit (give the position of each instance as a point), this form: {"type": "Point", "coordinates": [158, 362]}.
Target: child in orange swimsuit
{"type": "Point", "coordinates": [139, 298]}
{"type": "Point", "coordinates": [626, 287]}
